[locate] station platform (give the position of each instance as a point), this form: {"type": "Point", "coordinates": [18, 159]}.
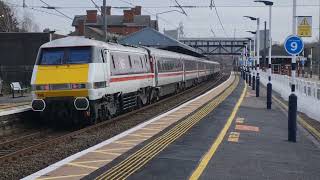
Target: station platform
{"type": "Point", "coordinates": [9, 105]}
{"type": "Point", "coordinates": [227, 133]}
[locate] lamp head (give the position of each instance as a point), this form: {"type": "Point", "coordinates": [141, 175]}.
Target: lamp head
{"type": "Point", "coordinates": [252, 32]}
{"type": "Point", "coordinates": [251, 18]}
{"type": "Point", "coordinates": [267, 3]}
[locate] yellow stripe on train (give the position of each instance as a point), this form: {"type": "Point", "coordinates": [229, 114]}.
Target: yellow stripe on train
{"type": "Point", "coordinates": [61, 74]}
{"type": "Point", "coordinates": [62, 93]}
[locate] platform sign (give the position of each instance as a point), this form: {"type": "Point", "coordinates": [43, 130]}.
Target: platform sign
{"type": "Point", "coordinates": [293, 45]}
{"type": "Point", "coordinates": [304, 26]}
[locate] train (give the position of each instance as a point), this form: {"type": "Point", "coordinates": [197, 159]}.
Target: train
{"type": "Point", "coordinates": [85, 80]}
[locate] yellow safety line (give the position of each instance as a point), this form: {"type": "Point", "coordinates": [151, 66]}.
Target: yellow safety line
{"type": "Point", "coordinates": [105, 152]}
{"type": "Point", "coordinates": [82, 166]}
{"type": "Point", "coordinates": [62, 177]}
{"type": "Point", "coordinates": [134, 162]}
{"type": "Point", "coordinates": [124, 143]}
{"type": "Point", "coordinates": [151, 129]}
{"type": "Point", "coordinates": [178, 133]}
{"type": "Point", "coordinates": [303, 122]}
{"type": "Point", "coordinates": [156, 142]}
{"type": "Point", "coordinates": [114, 149]}
{"type": "Point", "coordinates": [93, 161]}
{"type": "Point", "coordinates": [205, 160]}
{"type": "Point", "coordinates": [138, 135]}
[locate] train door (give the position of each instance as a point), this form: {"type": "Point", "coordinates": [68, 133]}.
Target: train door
{"type": "Point", "coordinates": [184, 70]}
{"type": "Point", "coordinates": [105, 67]}
{"type": "Point", "coordinates": [156, 72]}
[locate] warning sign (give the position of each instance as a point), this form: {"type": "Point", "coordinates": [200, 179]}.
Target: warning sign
{"type": "Point", "coordinates": [304, 26]}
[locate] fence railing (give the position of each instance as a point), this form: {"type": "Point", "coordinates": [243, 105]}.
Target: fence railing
{"type": "Point", "coordinates": [308, 92]}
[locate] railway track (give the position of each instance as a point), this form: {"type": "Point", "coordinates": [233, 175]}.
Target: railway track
{"type": "Point", "coordinates": [131, 118]}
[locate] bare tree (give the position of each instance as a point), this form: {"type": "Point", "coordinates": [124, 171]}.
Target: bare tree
{"type": "Point", "coordinates": [27, 24]}
{"type": "Point", "coordinates": [8, 20]}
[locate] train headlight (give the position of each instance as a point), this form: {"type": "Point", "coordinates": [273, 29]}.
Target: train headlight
{"type": "Point", "coordinates": [97, 85]}
{"type": "Point", "coordinates": [78, 86]}
{"type": "Point", "coordinates": [40, 87]}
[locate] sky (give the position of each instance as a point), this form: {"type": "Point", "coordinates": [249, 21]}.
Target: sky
{"type": "Point", "coordinates": [199, 21]}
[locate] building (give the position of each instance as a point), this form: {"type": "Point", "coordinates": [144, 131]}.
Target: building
{"type": "Point", "coordinates": [90, 25]}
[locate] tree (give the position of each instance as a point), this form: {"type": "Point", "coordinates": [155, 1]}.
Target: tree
{"type": "Point", "coordinates": [8, 20]}
{"type": "Point", "coordinates": [27, 24]}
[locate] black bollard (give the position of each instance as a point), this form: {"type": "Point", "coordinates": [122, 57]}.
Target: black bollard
{"type": "Point", "coordinates": [269, 95]}
{"type": "Point", "coordinates": [292, 118]}
{"type": "Point", "coordinates": [258, 86]}
{"type": "Point", "coordinates": [249, 79]}
{"type": "Point", "coordinates": [253, 82]}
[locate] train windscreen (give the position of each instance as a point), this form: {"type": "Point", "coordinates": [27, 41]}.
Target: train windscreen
{"type": "Point", "coordinates": [67, 55]}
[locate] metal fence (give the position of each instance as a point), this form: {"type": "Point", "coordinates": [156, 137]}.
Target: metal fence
{"type": "Point", "coordinates": [308, 92]}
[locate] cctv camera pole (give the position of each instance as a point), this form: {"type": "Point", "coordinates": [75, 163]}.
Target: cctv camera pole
{"type": "Point", "coordinates": [269, 85]}
{"type": "Point", "coordinates": [258, 59]}
{"type": "Point", "coordinates": [104, 16]}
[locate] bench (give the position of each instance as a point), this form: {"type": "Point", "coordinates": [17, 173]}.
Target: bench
{"type": "Point", "coordinates": [16, 87]}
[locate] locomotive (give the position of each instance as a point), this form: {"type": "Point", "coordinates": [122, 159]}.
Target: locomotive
{"type": "Point", "coordinates": [85, 80]}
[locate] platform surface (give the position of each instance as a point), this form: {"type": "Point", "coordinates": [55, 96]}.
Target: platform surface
{"type": "Point", "coordinates": [230, 136]}
{"type": "Point", "coordinates": [255, 146]}
{"type": "Point", "coordinates": [9, 105]}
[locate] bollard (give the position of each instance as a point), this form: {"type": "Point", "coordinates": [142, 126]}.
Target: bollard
{"type": "Point", "coordinates": [269, 95]}
{"type": "Point", "coordinates": [253, 82]}
{"type": "Point", "coordinates": [292, 118]}
{"type": "Point", "coordinates": [258, 86]}
{"type": "Point", "coordinates": [249, 79]}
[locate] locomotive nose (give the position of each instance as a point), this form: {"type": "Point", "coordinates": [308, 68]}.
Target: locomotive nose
{"type": "Point", "coordinates": [38, 105]}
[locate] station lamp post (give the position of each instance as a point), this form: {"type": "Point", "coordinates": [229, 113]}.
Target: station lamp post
{"type": "Point", "coordinates": [256, 71]}
{"type": "Point", "coordinates": [250, 46]}
{"type": "Point", "coordinates": [254, 53]}
{"type": "Point", "coordinates": [269, 85]}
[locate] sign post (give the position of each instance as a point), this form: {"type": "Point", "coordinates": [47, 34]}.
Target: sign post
{"type": "Point", "coordinates": [294, 46]}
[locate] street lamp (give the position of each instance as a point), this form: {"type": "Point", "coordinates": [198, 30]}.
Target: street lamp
{"type": "Point", "coordinates": [269, 85]}
{"type": "Point", "coordinates": [254, 53]}
{"type": "Point", "coordinates": [157, 15]}
{"type": "Point", "coordinates": [257, 59]}
{"type": "Point", "coordinates": [250, 47]}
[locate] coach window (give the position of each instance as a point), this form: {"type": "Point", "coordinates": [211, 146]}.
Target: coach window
{"type": "Point", "coordinates": [147, 63]}
{"type": "Point", "coordinates": [143, 66]}
{"type": "Point", "coordinates": [130, 63]}
{"type": "Point", "coordinates": [113, 66]}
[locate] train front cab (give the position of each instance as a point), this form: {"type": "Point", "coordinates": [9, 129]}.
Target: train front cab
{"type": "Point", "coordinates": [62, 80]}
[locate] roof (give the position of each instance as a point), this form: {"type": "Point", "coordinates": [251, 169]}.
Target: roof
{"type": "Point", "coordinates": [213, 39]}
{"type": "Point", "coordinates": [152, 38]}
{"type": "Point", "coordinates": [72, 41]}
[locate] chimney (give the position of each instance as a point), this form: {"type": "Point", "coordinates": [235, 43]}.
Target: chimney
{"type": "Point", "coordinates": [91, 16]}
{"type": "Point", "coordinates": [108, 10]}
{"type": "Point", "coordinates": [137, 10]}
{"type": "Point", "coordinates": [128, 16]}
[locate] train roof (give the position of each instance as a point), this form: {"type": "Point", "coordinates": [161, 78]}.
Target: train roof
{"type": "Point", "coordinates": [73, 41]}
{"type": "Point", "coordinates": [165, 53]}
